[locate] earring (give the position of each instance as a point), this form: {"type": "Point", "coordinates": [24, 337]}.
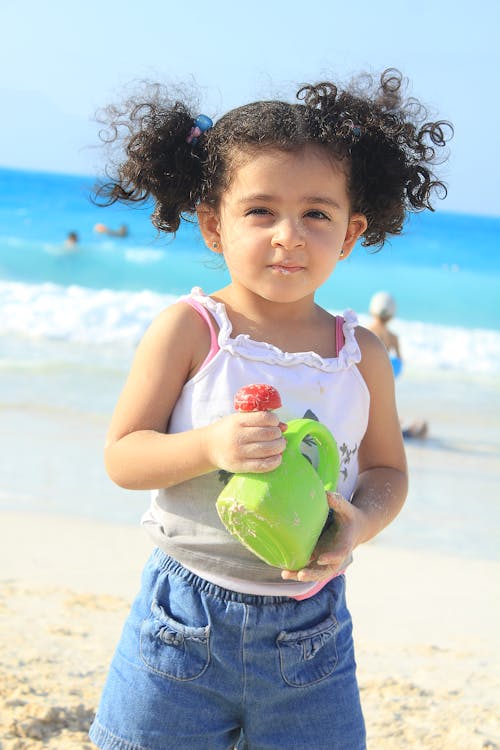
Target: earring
{"type": "Point", "coordinates": [341, 254]}
{"type": "Point", "coordinates": [215, 245]}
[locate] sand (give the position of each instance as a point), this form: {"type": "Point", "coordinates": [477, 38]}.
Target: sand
{"type": "Point", "coordinates": [426, 631]}
{"type": "Point", "coordinates": [424, 595]}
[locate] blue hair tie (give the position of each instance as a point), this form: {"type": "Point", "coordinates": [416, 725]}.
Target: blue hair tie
{"type": "Point", "coordinates": [201, 125]}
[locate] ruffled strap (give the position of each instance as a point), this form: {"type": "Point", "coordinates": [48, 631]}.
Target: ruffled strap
{"type": "Point", "coordinates": [216, 309]}
{"type": "Point", "coordinates": [244, 346]}
{"type": "Point", "coordinates": [350, 354]}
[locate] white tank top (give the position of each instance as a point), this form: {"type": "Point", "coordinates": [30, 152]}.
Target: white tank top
{"type": "Point", "coordinates": [183, 520]}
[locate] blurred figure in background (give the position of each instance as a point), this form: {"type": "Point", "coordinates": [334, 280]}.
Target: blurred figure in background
{"type": "Point", "coordinates": [383, 309]}
{"type": "Point", "coordinates": [122, 230]}
{"type": "Point", "coordinates": [71, 243]}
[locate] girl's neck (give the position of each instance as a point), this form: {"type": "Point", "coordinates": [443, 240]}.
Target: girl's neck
{"type": "Point", "coordinates": [249, 305]}
{"type": "Point", "coordinates": [292, 327]}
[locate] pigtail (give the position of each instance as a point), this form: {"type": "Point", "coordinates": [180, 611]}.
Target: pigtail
{"type": "Point", "coordinates": [414, 147]}
{"type": "Point", "coordinates": [389, 146]}
{"type": "Point", "coordinates": [152, 158]}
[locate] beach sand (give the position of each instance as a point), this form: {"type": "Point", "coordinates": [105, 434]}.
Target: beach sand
{"type": "Point", "coordinates": [425, 609]}
{"type": "Point", "coordinates": [426, 632]}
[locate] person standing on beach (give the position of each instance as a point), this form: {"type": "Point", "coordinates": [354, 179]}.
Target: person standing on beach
{"type": "Point", "coordinates": [221, 649]}
{"type": "Point", "coordinates": [383, 309]}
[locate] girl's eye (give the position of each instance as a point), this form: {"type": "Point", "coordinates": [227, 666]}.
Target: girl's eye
{"type": "Point", "coordinates": [317, 215]}
{"type": "Point", "coordinates": [257, 212]}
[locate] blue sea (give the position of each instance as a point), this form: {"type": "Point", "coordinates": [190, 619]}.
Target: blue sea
{"type": "Point", "coordinates": [70, 320]}
{"type": "Point", "coordinates": [444, 272]}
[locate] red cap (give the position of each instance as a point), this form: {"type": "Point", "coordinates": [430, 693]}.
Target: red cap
{"type": "Point", "coordinates": [257, 397]}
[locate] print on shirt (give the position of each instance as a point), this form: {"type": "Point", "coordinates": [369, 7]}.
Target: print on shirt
{"type": "Point", "coordinates": [346, 454]}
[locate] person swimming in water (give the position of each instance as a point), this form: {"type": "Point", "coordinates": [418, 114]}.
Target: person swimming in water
{"type": "Point", "coordinates": [122, 230]}
{"type": "Point", "coordinates": [71, 241]}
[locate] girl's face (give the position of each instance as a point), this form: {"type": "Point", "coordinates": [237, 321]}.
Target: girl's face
{"type": "Point", "coordinates": [283, 223]}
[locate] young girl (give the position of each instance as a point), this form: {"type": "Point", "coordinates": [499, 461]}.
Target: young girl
{"type": "Point", "coordinates": [221, 649]}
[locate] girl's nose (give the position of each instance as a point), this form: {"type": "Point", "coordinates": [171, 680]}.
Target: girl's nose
{"type": "Point", "coordinates": [287, 233]}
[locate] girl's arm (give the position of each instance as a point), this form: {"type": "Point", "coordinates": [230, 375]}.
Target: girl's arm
{"type": "Point", "coordinates": [383, 474]}
{"type": "Point", "coordinates": [140, 455]}
{"type": "Point", "coordinates": [383, 480]}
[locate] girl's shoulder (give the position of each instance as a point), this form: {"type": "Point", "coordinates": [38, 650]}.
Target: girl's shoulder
{"type": "Point", "coordinates": [367, 338]}
{"type": "Point", "coordinates": [178, 317]}
{"type": "Point", "coordinates": [374, 356]}
{"type": "Point", "coordinates": [177, 334]}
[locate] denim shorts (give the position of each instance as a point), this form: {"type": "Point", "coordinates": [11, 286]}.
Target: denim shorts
{"type": "Point", "coordinates": [199, 667]}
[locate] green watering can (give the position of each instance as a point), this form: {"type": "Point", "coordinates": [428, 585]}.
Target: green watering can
{"type": "Point", "coordinates": [279, 515]}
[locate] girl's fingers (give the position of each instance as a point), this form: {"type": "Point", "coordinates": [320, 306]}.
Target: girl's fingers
{"type": "Point", "coordinates": [337, 502]}
{"type": "Point", "coordinates": [261, 465]}
{"type": "Point", "coordinates": [265, 449]}
{"type": "Point", "coordinates": [333, 547]}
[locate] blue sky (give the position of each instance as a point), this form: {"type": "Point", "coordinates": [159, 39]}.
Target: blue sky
{"type": "Point", "coordinates": [61, 61]}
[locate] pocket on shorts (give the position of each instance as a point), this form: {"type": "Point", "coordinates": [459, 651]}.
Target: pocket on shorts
{"type": "Point", "coordinates": [308, 656]}
{"type": "Point", "coordinates": [172, 649]}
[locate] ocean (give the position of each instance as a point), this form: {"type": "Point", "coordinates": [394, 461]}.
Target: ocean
{"type": "Point", "coordinates": [70, 321]}
{"type": "Point", "coordinates": [444, 272]}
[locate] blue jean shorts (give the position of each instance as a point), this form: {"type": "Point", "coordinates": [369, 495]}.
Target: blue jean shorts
{"type": "Point", "coordinates": [199, 667]}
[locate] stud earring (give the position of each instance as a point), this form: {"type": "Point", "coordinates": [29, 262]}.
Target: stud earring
{"type": "Point", "coordinates": [215, 245]}
{"type": "Point", "coordinates": [341, 254]}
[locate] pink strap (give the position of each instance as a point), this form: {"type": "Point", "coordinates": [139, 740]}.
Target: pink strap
{"type": "Point", "coordinates": [214, 342]}
{"type": "Point", "coordinates": [339, 334]}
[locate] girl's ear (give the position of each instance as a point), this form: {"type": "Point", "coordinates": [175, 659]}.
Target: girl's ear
{"type": "Point", "coordinates": [209, 225]}
{"type": "Point", "coordinates": [356, 227]}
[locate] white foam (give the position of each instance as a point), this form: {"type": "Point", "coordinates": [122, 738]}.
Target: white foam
{"type": "Point", "coordinates": [76, 313]}
{"type": "Point", "coordinates": [429, 346]}
{"type": "Point", "coordinates": [103, 316]}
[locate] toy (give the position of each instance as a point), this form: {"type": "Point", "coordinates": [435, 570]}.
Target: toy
{"type": "Point", "coordinates": [280, 514]}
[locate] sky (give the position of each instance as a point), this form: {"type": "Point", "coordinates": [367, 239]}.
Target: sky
{"type": "Point", "coordinates": [61, 61]}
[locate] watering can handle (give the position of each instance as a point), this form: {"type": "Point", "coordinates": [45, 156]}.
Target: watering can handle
{"type": "Point", "coordinates": [328, 468]}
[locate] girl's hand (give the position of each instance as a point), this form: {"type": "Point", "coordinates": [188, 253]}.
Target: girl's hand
{"type": "Point", "coordinates": [246, 441]}
{"type": "Point", "coordinates": [334, 545]}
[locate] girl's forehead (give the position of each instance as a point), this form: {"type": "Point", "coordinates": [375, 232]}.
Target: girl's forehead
{"type": "Point", "coordinates": [314, 164]}
{"type": "Point", "coordinates": [307, 158]}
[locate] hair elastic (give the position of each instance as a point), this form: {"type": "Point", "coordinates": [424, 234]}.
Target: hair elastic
{"type": "Point", "coordinates": [350, 127]}
{"type": "Point", "coordinates": [201, 124]}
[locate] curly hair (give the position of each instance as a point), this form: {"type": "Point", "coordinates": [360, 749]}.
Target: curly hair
{"type": "Point", "coordinates": [382, 139]}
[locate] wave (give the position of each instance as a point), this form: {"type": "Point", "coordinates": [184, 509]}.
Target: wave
{"type": "Point", "coordinates": [78, 315]}
{"type": "Point", "coordinates": [75, 313]}
{"type": "Point", "coordinates": [428, 346]}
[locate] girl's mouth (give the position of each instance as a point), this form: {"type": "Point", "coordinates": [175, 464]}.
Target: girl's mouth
{"type": "Point", "coordinates": [286, 269]}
